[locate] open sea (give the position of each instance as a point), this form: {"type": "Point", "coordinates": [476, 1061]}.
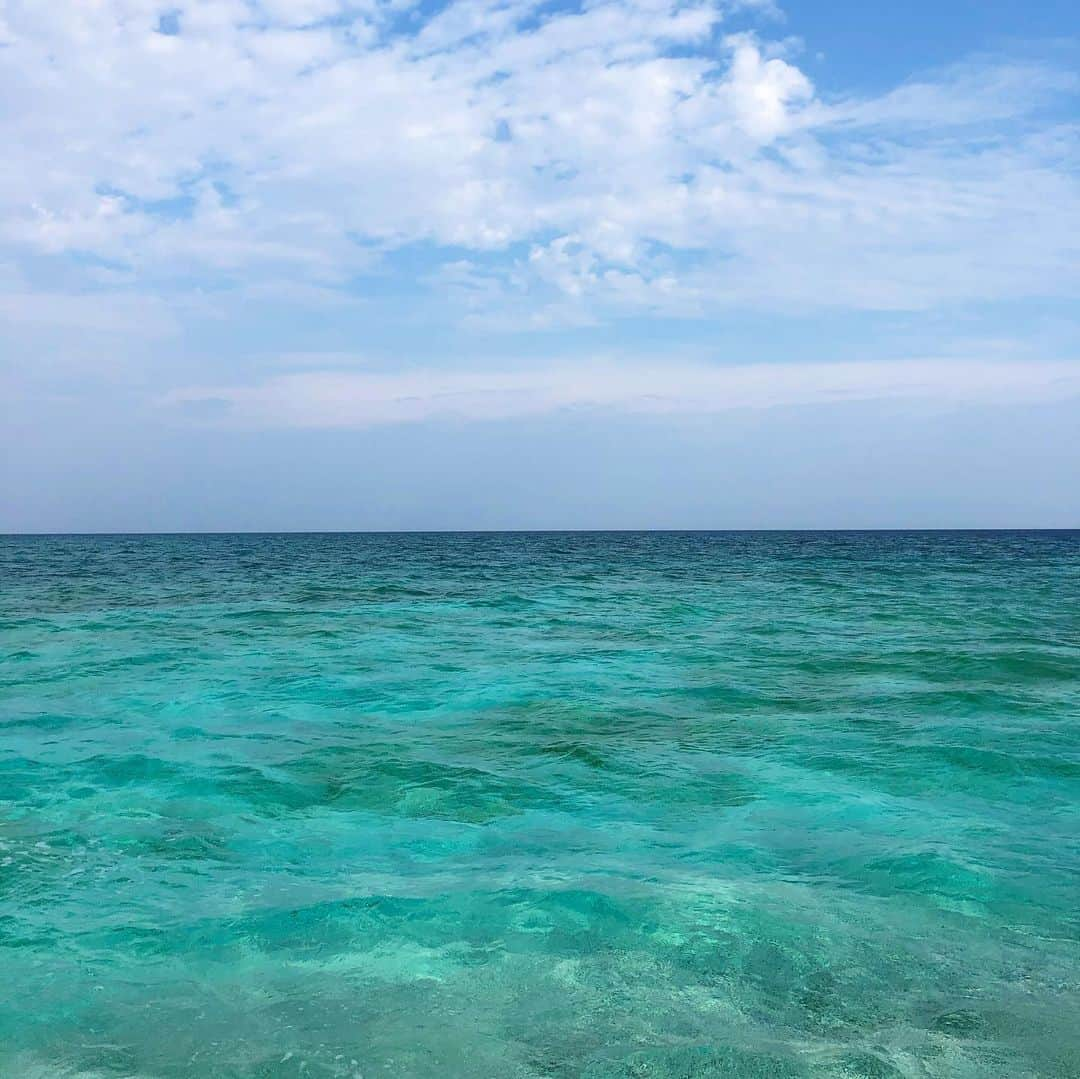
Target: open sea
{"type": "Point", "coordinates": [512, 806]}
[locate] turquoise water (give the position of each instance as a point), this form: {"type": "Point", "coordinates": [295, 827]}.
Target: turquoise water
{"type": "Point", "coordinates": [553, 805]}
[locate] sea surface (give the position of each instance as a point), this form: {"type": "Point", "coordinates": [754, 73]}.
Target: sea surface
{"type": "Point", "coordinates": [597, 805]}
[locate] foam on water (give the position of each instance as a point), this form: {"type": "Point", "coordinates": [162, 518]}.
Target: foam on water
{"type": "Point", "coordinates": [597, 805]}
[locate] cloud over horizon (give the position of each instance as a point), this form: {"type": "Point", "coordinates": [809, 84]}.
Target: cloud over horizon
{"type": "Point", "coordinates": [344, 398]}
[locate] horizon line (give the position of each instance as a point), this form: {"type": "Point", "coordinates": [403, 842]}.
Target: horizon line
{"type": "Point", "coordinates": [907, 529]}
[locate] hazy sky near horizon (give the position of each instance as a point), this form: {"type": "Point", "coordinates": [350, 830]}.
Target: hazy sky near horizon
{"type": "Point", "coordinates": [315, 264]}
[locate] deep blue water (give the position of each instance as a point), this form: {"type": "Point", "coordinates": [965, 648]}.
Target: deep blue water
{"type": "Point", "coordinates": [540, 805]}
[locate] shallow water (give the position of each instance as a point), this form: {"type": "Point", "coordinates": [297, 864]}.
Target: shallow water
{"type": "Point", "coordinates": [597, 805]}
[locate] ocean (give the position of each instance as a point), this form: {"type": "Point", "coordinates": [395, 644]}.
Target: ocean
{"type": "Point", "coordinates": [528, 805]}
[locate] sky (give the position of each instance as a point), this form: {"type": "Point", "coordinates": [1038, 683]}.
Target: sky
{"type": "Point", "coordinates": [316, 264]}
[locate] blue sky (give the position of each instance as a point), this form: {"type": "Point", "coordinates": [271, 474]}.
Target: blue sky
{"type": "Point", "coordinates": [288, 264]}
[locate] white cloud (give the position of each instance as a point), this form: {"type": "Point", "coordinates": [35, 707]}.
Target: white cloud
{"type": "Point", "coordinates": [350, 398]}
{"type": "Point", "coordinates": [619, 157]}
{"type": "Point", "coordinates": [764, 93]}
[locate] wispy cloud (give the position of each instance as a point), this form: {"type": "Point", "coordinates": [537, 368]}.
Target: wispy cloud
{"type": "Point", "coordinates": [342, 398]}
